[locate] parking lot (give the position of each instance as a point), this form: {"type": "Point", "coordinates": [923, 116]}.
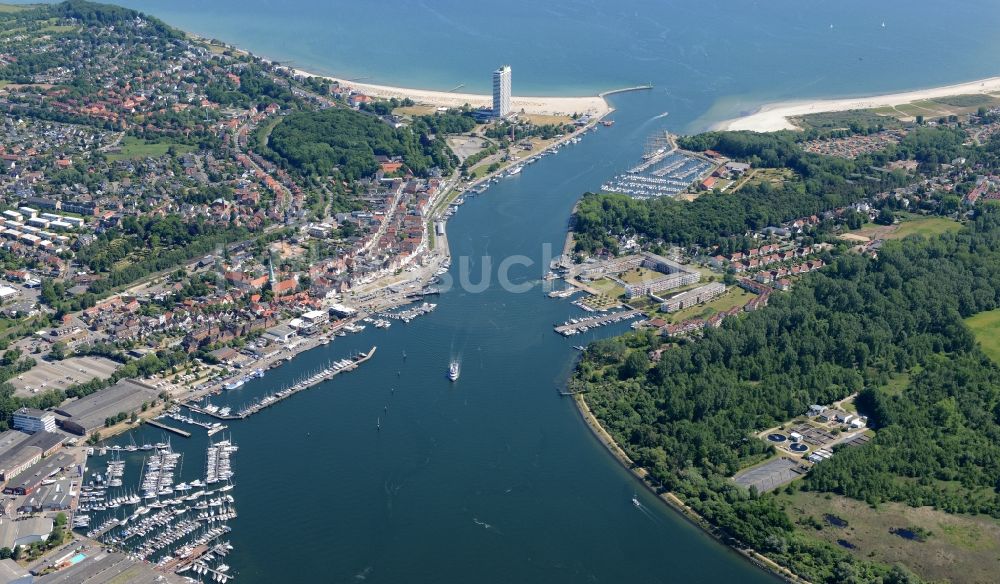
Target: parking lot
{"type": "Point", "coordinates": [62, 374]}
{"type": "Point", "coordinates": [771, 475]}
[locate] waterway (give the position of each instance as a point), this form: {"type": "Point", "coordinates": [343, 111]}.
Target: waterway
{"type": "Point", "coordinates": [495, 478]}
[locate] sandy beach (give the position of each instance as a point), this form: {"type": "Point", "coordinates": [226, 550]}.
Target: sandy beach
{"type": "Point", "coordinates": [595, 106]}
{"type": "Point", "coordinates": [774, 117]}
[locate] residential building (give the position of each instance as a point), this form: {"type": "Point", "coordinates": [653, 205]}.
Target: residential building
{"type": "Point", "coordinates": [693, 297]}
{"type": "Point", "coordinates": [501, 92]}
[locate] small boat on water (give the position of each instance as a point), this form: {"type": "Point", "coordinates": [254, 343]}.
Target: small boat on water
{"type": "Point", "coordinates": [453, 371]}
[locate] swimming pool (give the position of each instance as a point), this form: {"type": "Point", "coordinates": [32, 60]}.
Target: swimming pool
{"type": "Point", "coordinates": [77, 559]}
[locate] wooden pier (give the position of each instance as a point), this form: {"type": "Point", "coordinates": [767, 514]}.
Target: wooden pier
{"type": "Point", "coordinates": [163, 426]}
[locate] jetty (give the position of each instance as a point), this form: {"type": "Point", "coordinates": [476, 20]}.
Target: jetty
{"type": "Point", "coordinates": [162, 426]}
{"type": "Point", "coordinates": [625, 90]}
{"type": "Point", "coordinates": [578, 325]}
{"type": "Point", "coordinates": [269, 400]}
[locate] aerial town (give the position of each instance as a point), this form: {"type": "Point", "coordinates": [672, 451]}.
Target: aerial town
{"type": "Point", "coordinates": [177, 221]}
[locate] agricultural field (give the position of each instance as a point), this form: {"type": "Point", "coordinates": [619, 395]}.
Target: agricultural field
{"type": "Point", "coordinates": [938, 546]}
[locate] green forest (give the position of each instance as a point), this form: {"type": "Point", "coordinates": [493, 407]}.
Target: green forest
{"type": "Point", "coordinates": [820, 183]}
{"type": "Point", "coordinates": [345, 142]}
{"type": "Point", "coordinates": [690, 418]}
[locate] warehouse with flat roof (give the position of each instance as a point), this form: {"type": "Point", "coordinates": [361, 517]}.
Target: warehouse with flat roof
{"type": "Point", "coordinates": [29, 480]}
{"type": "Point", "coordinates": [18, 450]}
{"type": "Point", "coordinates": [88, 413]}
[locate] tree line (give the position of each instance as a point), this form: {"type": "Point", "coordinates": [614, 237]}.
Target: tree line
{"type": "Point", "coordinates": [690, 418]}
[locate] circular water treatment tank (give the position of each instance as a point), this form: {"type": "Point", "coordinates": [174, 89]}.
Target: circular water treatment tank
{"type": "Point", "coordinates": [799, 447]}
{"type": "Point", "coordinates": [776, 437]}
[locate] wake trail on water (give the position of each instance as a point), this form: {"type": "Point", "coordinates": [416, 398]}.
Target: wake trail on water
{"type": "Point", "coordinates": [486, 526]}
{"type": "Point", "coordinates": [649, 514]}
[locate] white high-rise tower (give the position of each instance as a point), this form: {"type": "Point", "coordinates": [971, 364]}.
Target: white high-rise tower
{"type": "Point", "coordinates": [501, 92]}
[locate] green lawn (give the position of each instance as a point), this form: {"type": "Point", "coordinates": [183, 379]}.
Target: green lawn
{"type": "Point", "coordinates": [986, 327]}
{"type": "Point", "coordinates": [639, 275]}
{"type": "Point", "coordinates": [926, 226]}
{"type": "Point", "coordinates": [132, 147]}
{"type": "Point", "coordinates": [607, 287]}
{"type": "Point", "coordinates": [732, 297]}
{"type": "Point", "coordinates": [12, 7]}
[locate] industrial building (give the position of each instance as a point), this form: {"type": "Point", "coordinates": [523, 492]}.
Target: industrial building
{"type": "Point", "coordinates": [55, 497]}
{"type": "Point", "coordinates": [12, 573]}
{"type": "Point", "coordinates": [88, 413]}
{"type": "Point", "coordinates": [26, 482]}
{"type": "Point", "coordinates": [19, 451]}
{"type": "Point", "coordinates": [24, 531]}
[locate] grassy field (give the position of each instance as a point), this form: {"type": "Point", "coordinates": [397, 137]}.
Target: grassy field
{"type": "Point", "coordinates": [986, 327]}
{"type": "Point", "coordinates": [135, 148]}
{"type": "Point", "coordinates": [775, 176]}
{"type": "Point", "coordinates": [12, 7]}
{"type": "Point", "coordinates": [961, 549]}
{"type": "Point", "coordinates": [734, 296]}
{"type": "Point", "coordinates": [639, 275]}
{"type": "Point", "coordinates": [927, 226]}
{"type": "Point", "coordinates": [897, 384]}
{"type": "Point", "coordinates": [544, 120]}
{"type": "Point", "coordinates": [607, 287]}
{"type": "Point", "coordinates": [415, 110]}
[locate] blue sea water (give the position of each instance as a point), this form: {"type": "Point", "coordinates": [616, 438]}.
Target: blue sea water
{"type": "Point", "coordinates": [714, 57]}
{"type": "Point", "coordinates": [495, 479]}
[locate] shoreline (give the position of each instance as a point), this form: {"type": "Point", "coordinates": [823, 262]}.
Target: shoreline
{"type": "Point", "coordinates": [595, 106]}
{"type": "Point", "coordinates": [671, 500]}
{"type": "Point", "coordinates": [775, 116]}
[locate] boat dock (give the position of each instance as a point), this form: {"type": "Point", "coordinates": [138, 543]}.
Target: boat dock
{"type": "Point", "coordinates": [162, 426]}
{"type": "Point", "coordinates": [563, 293]}
{"type": "Point", "coordinates": [575, 326]}
{"type": "Point", "coordinates": [278, 396]}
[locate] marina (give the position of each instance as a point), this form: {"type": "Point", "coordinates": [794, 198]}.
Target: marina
{"type": "Point", "coordinates": [665, 171]}
{"type": "Point", "coordinates": [324, 374]}
{"type": "Point", "coordinates": [582, 325]}
{"type": "Point", "coordinates": [175, 527]}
